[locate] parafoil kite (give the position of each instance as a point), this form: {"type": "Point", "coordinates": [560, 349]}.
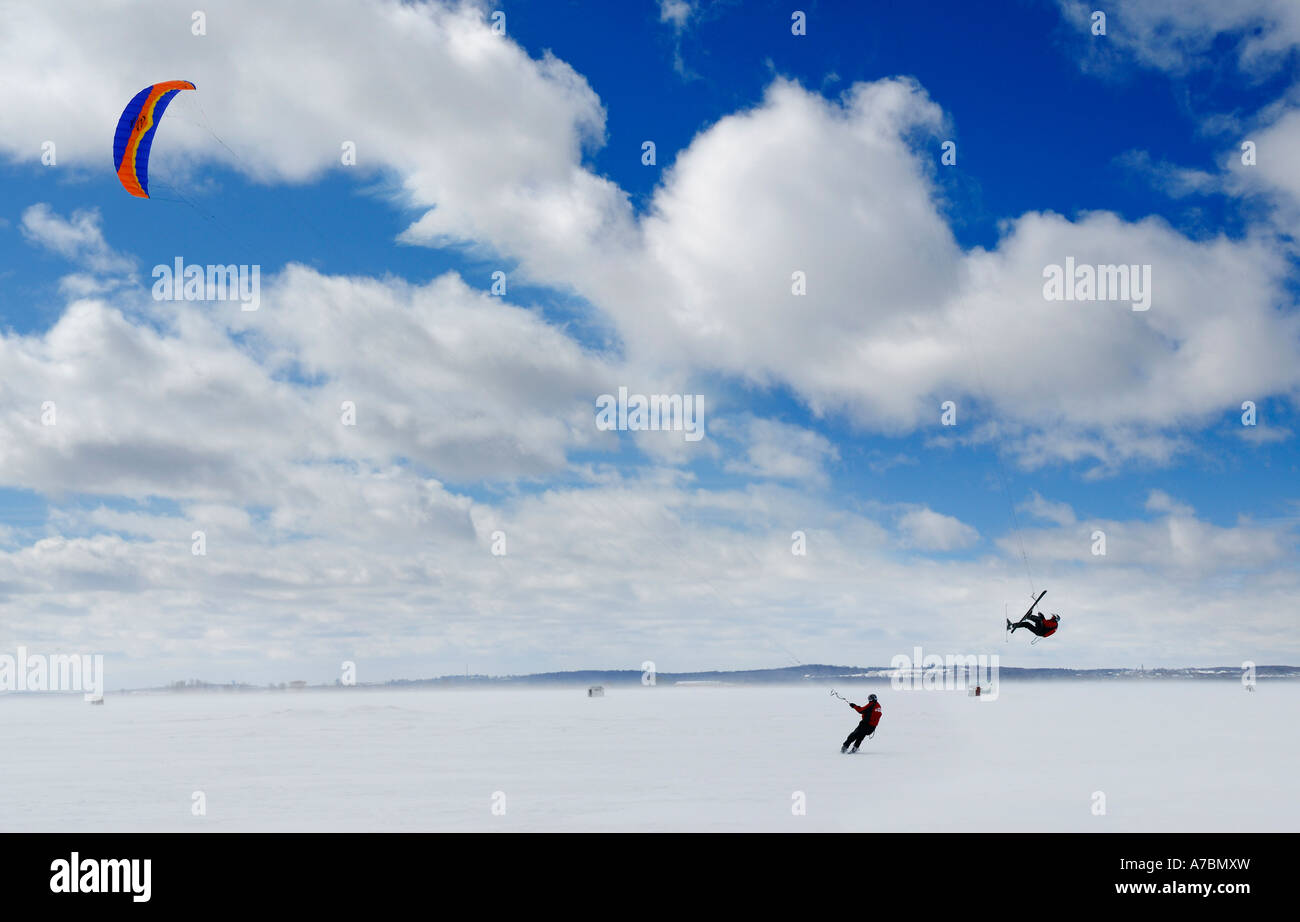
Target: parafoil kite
{"type": "Point", "coordinates": [135, 130]}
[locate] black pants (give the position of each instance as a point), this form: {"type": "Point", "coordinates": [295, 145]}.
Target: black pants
{"type": "Point", "coordinates": [860, 732]}
{"type": "Point", "coordinates": [1034, 623]}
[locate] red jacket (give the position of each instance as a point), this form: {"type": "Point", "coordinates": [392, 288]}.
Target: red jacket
{"type": "Point", "coordinates": [870, 712]}
{"type": "Point", "coordinates": [1050, 624]}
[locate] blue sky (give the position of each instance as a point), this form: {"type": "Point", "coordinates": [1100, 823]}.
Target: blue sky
{"type": "Point", "coordinates": [522, 153]}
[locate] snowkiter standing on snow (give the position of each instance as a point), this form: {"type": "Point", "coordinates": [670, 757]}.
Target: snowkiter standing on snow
{"type": "Point", "coordinates": [1037, 624]}
{"type": "Point", "coordinates": [866, 726]}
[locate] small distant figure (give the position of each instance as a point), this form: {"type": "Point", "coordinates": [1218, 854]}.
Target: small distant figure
{"type": "Point", "coordinates": [1037, 624]}
{"type": "Point", "coordinates": [866, 726]}
{"type": "Point", "coordinates": [977, 691]}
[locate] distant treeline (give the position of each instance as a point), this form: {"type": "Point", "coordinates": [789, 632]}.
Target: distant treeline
{"type": "Point", "coordinates": [787, 675]}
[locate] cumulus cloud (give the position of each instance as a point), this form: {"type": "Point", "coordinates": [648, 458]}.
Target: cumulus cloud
{"type": "Point", "coordinates": [838, 192]}
{"type": "Point", "coordinates": [79, 239]}
{"type": "Point", "coordinates": [1174, 542]}
{"type": "Point", "coordinates": [927, 530]}
{"type": "Point", "coordinates": [374, 539]}
{"type": "Point", "coordinates": [388, 565]}
{"type": "Point", "coordinates": [498, 156]}
{"type": "Point", "coordinates": [222, 404]}
{"type": "Point", "coordinates": [777, 450]}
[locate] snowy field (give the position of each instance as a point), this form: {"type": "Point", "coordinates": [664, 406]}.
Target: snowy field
{"type": "Point", "coordinates": [1168, 756]}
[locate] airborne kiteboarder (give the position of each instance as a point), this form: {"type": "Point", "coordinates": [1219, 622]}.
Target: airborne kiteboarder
{"type": "Point", "coordinates": [866, 726]}
{"type": "Point", "coordinates": [1035, 623]}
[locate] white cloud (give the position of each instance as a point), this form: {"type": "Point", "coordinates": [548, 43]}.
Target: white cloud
{"type": "Point", "coordinates": [374, 566]}
{"type": "Point", "coordinates": [461, 118]}
{"type": "Point", "coordinates": [777, 450]}
{"type": "Point", "coordinates": [1041, 508]}
{"type": "Point", "coordinates": [1175, 543]}
{"type": "Point", "coordinates": [225, 404]}
{"type": "Point", "coordinates": [927, 530]}
{"type": "Point", "coordinates": [79, 239]}
{"type": "Point", "coordinates": [1175, 181]}
{"type": "Point", "coordinates": [1181, 35]}
{"type": "Point", "coordinates": [896, 319]}
{"type": "Point", "coordinates": [1160, 501]}
{"type": "Point", "coordinates": [1264, 435]}
{"type": "Point", "coordinates": [326, 540]}
{"type": "Point", "coordinates": [676, 12]}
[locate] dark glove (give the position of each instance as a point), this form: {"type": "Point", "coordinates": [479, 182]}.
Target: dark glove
{"type": "Point", "coordinates": [852, 705]}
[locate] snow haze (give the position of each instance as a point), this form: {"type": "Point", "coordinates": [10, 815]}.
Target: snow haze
{"type": "Point", "coordinates": [1166, 756]}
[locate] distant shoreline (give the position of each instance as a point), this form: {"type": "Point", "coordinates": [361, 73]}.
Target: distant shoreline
{"type": "Point", "coordinates": [789, 676]}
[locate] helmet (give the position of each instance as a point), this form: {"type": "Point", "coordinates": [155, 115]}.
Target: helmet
{"type": "Point", "coordinates": [871, 697]}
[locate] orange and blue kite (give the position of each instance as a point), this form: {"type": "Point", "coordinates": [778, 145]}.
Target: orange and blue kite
{"type": "Point", "coordinates": [135, 131]}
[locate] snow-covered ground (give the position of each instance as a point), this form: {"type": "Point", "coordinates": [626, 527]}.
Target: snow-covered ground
{"type": "Point", "coordinates": [1168, 756]}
